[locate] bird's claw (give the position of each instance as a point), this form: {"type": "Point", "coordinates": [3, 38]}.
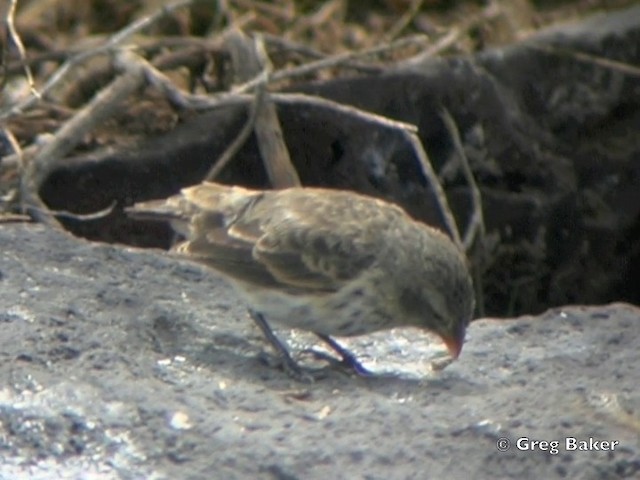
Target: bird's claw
{"type": "Point", "coordinates": [348, 362]}
{"type": "Point", "coordinates": [291, 367]}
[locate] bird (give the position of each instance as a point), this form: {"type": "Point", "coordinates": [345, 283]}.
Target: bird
{"type": "Point", "coordinates": [332, 262]}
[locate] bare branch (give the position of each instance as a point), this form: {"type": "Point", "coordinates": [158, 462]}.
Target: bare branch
{"type": "Point", "coordinates": [476, 227]}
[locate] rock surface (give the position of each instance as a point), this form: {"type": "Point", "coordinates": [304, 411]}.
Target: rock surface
{"type": "Point", "coordinates": [118, 363]}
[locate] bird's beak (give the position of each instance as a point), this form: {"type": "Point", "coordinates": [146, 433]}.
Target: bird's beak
{"type": "Point", "coordinates": [454, 342]}
{"type": "Point", "coordinates": [454, 345]}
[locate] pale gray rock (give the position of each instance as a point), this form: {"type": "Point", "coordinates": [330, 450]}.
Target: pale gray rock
{"type": "Point", "coordinates": [119, 363]}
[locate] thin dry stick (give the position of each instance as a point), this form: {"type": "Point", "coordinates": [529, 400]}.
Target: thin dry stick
{"type": "Point", "coordinates": [19, 155]}
{"type": "Point", "coordinates": [492, 11]}
{"type": "Point", "coordinates": [13, 142]}
{"type": "Point", "coordinates": [409, 130]}
{"type": "Point", "coordinates": [334, 61]}
{"type": "Point", "coordinates": [155, 78]}
{"type": "Point", "coordinates": [592, 59]}
{"type": "Point", "coordinates": [13, 218]}
{"type": "Point", "coordinates": [84, 216]}
{"type": "Point", "coordinates": [297, 98]}
{"type": "Point", "coordinates": [274, 151]}
{"type": "Point", "coordinates": [407, 18]}
{"type": "Point", "coordinates": [324, 14]}
{"type": "Point", "coordinates": [247, 58]}
{"type": "Point", "coordinates": [201, 102]}
{"type": "Point", "coordinates": [290, 47]}
{"type": "Point", "coordinates": [13, 33]}
{"type": "Point", "coordinates": [14, 160]}
{"type": "Point", "coordinates": [270, 8]}
{"type": "Point", "coordinates": [36, 208]}
{"type": "Point", "coordinates": [242, 137]}
{"type": "Point", "coordinates": [4, 59]}
{"type": "Point", "coordinates": [476, 226]}
{"type": "Point", "coordinates": [30, 201]}
{"type": "Point", "coordinates": [435, 185]}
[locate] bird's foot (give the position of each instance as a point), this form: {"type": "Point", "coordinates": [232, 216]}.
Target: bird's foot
{"type": "Point", "coordinates": [347, 362]}
{"type": "Point", "coordinates": [291, 367]}
{"type": "Point", "coordinates": [282, 359]}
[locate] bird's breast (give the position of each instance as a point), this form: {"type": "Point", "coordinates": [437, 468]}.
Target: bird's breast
{"type": "Point", "coordinates": [353, 310]}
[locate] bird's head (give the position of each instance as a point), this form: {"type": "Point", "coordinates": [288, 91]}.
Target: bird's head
{"type": "Point", "coordinates": [441, 299]}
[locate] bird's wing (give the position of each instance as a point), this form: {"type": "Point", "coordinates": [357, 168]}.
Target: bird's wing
{"type": "Point", "coordinates": [210, 244]}
{"type": "Point", "coordinates": [304, 243]}
{"type": "Point", "coordinates": [282, 260]}
{"type": "Point", "coordinates": [314, 257]}
{"type": "Point", "coordinates": [276, 243]}
{"type": "Point", "coordinates": [288, 240]}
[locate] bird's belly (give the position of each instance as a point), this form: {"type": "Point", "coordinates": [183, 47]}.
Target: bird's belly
{"type": "Point", "coordinates": [347, 312]}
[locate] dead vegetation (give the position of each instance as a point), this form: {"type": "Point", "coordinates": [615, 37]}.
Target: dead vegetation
{"type": "Point", "coordinates": [58, 54]}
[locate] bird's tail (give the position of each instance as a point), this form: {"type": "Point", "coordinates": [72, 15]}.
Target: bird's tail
{"type": "Point", "coordinates": [172, 208]}
{"type": "Point", "coordinates": [226, 203]}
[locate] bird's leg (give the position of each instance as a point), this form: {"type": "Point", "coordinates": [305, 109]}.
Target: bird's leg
{"type": "Point", "coordinates": [288, 364]}
{"type": "Point", "coordinates": [349, 360]}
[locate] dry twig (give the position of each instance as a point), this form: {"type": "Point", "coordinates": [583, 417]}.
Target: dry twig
{"type": "Point", "coordinates": [436, 186]}
{"type": "Point", "coordinates": [405, 20]}
{"type": "Point", "coordinates": [13, 34]}
{"type": "Point", "coordinates": [455, 33]}
{"type": "Point", "coordinates": [249, 57]}
{"type": "Point", "coordinates": [476, 228]}
{"type": "Point", "coordinates": [242, 137]}
{"type": "Point", "coordinates": [607, 63]}
{"type": "Point", "coordinates": [343, 59]}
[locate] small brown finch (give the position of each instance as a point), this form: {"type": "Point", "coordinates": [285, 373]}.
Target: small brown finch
{"type": "Point", "coordinates": [327, 261]}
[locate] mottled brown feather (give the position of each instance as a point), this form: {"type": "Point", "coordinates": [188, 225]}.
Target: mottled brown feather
{"type": "Point", "coordinates": [234, 234]}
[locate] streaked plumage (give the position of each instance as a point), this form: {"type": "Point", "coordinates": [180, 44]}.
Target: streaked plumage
{"type": "Point", "coordinates": [328, 261]}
